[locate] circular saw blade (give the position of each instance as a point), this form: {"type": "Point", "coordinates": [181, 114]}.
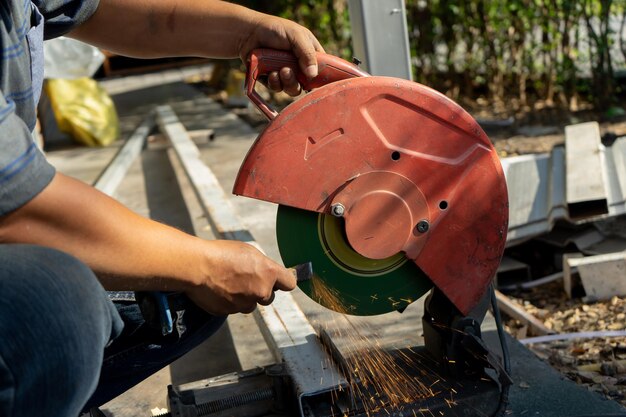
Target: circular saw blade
{"type": "Point", "coordinates": [344, 280]}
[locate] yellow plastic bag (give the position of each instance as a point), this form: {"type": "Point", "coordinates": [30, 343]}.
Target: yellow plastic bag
{"type": "Point", "coordinates": [83, 110]}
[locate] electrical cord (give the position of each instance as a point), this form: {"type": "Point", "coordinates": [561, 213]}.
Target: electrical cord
{"type": "Point", "coordinates": [504, 395]}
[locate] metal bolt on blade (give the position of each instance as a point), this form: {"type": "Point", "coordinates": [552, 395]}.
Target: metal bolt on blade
{"type": "Point", "coordinates": [337, 210]}
{"type": "Point", "coordinates": [423, 226]}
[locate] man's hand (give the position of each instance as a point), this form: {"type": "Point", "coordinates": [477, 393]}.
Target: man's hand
{"type": "Point", "coordinates": [238, 278]}
{"type": "Point", "coordinates": [274, 32]}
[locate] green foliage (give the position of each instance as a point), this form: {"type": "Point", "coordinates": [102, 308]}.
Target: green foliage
{"type": "Point", "coordinates": [517, 48]}
{"type": "Point", "coordinates": [513, 50]}
{"type": "Point", "coordinates": [327, 19]}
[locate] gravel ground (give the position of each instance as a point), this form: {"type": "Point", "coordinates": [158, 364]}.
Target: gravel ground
{"type": "Point", "coordinates": [599, 364]}
{"type": "Point", "coordinates": [525, 144]}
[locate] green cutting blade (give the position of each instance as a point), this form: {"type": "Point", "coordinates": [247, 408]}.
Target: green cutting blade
{"type": "Point", "coordinates": [344, 280]}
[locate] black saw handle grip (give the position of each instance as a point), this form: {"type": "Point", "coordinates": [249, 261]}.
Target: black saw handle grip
{"type": "Point", "coordinates": [263, 61]}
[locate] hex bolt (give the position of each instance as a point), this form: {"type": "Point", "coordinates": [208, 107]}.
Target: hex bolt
{"type": "Point", "coordinates": [423, 226]}
{"type": "Point", "coordinates": [337, 210]}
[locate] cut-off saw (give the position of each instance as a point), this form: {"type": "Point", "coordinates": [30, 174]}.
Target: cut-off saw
{"type": "Point", "coordinates": [387, 186]}
{"type": "Point", "coordinates": [390, 189]}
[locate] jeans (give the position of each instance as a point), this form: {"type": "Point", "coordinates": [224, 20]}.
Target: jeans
{"type": "Point", "coordinates": [65, 346]}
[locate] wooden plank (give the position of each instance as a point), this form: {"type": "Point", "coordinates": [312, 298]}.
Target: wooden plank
{"type": "Point", "coordinates": [516, 311]}
{"type": "Point", "coordinates": [586, 191]}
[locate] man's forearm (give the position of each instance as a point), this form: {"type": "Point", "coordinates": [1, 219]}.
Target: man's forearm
{"type": "Point", "coordinates": [127, 251]}
{"type": "Point", "coordinates": [155, 28]}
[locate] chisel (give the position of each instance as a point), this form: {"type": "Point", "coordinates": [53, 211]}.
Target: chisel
{"type": "Point", "coordinates": [302, 272]}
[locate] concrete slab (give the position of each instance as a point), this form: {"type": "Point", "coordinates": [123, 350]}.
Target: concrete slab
{"type": "Point", "coordinates": [602, 276]}
{"type": "Point", "coordinates": [82, 163]}
{"type": "Point", "coordinates": [539, 390]}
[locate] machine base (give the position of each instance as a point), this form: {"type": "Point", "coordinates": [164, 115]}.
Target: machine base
{"type": "Point", "coordinates": [537, 389]}
{"type": "Point", "coordinates": [267, 392]}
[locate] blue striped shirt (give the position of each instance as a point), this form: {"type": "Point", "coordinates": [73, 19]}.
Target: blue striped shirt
{"type": "Point", "coordinates": [24, 172]}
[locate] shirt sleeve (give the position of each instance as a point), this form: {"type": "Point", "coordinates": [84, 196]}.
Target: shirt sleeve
{"type": "Point", "coordinates": [61, 16]}
{"type": "Point", "coordinates": [24, 171]}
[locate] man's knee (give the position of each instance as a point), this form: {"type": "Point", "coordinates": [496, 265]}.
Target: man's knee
{"type": "Point", "coordinates": [55, 288]}
{"type": "Point", "coordinates": [55, 320]}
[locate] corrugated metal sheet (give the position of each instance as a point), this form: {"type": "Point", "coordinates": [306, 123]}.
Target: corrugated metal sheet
{"type": "Point", "coordinates": [537, 184]}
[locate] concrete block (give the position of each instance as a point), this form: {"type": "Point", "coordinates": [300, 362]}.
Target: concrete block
{"type": "Point", "coordinates": [602, 276]}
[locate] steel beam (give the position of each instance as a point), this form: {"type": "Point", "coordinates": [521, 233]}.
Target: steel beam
{"type": "Point", "coordinates": [586, 193]}
{"type": "Point", "coordinates": [614, 172]}
{"type": "Point", "coordinates": [113, 174]}
{"type": "Point", "coordinates": [536, 193]}
{"type": "Point", "coordinates": [537, 189]}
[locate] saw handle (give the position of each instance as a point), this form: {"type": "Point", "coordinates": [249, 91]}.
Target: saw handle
{"type": "Point", "coordinates": [263, 61]}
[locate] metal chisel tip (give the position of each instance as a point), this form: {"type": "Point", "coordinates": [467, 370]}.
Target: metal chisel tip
{"type": "Point", "coordinates": [303, 272]}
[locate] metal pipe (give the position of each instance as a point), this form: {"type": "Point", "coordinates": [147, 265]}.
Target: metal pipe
{"type": "Point", "coordinates": [570, 336]}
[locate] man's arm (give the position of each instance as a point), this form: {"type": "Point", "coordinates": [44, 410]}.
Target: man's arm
{"type": "Point", "coordinates": [126, 250]}
{"type": "Point", "coordinates": [207, 28]}
{"type": "Point", "coordinates": [130, 252]}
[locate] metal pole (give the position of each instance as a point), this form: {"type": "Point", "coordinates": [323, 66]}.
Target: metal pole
{"type": "Point", "coordinates": [380, 37]}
